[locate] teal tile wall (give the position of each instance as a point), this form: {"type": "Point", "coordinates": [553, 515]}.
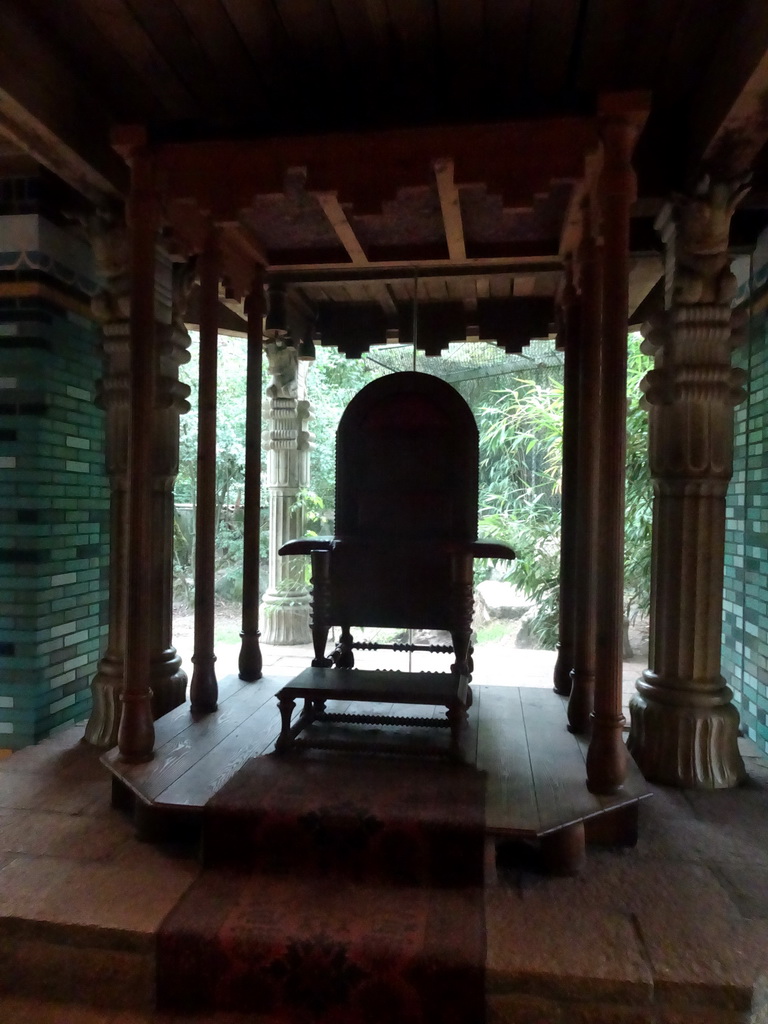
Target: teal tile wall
{"type": "Point", "coordinates": [745, 595]}
{"type": "Point", "coordinates": [54, 495]}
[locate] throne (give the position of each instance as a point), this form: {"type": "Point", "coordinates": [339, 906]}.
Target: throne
{"type": "Point", "coordinates": [405, 543]}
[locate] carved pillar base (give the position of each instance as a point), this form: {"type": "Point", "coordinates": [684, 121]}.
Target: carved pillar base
{"type": "Point", "coordinates": [690, 744]}
{"type": "Point", "coordinates": [106, 687]}
{"type": "Point", "coordinates": [563, 665]}
{"type": "Point", "coordinates": [168, 681]}
{"type": "Point", "coordinates": [285, 618]}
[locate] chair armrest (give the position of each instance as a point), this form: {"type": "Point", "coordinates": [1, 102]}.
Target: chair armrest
{"type": "Point", "coordinates": [306, 545]}
{"type": "Point", "coordinates": [492, 549]}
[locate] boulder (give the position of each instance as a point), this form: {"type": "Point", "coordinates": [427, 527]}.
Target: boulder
{"type": "Point", "coordinates": [497, 600]}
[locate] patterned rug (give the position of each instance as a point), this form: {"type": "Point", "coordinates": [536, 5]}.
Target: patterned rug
{"type": "Point", "coordinates": [339, 890]}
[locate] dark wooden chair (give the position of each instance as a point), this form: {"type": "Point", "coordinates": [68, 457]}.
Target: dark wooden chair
{"type": "Point", "coordinates": [406, 523]}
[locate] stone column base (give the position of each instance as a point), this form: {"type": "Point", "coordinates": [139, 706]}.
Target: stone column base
{"type": "Point", "coordinates": [169, 689]}
{"type": "Point", "coordinates": [684, 745]}
{"type": "Point", "coordinates": [285, 619]}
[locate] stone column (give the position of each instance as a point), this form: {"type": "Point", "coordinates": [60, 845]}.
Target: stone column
{"type": "Point", "coordinates": [108, 235]}
{"type": "Point", "coordinates": [684, 726]}
{"type": "Point", "coordinates": [285, 609]}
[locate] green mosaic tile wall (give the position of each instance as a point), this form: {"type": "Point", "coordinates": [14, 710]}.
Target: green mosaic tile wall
{"type": "Point", "coordinates": [745, 596]}
{"type": "Point", "coordinates": [54, 498]}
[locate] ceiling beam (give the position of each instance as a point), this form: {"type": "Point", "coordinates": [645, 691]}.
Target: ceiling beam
{"type": "Point", "coordinates": [223, 176]}
{"type": "Point", "coordinates": [729, 114]}
{"type": "Point", "coordinates": [390, 273]}
{"type": "Point", "coordinates": [450, 206]}
{"type": "Point", "coordinates": [340, 224]}
{"type": "Point", "coordinates": [46, 111]}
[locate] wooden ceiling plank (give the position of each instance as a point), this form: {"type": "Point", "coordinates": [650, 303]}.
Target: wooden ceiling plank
{"type": "Point", "coordinates": [101, 68]}
{"type": "Point", "coordinates": [524, 284]}
{"type": "Point", "coordinates": [602, 54]}
{"type": "Point", "coordinates": [461, 27]}
{"type": "Point", "coordinates": [642, 50]}
{"type": "Point", "coordinates": [506, 41]}
{"type": "Point", "coordinates": [340, 224]}
{"type": "Point", "coordinates": [500, 287]}
{"type": "Point", "coordinates": [552, 27]}
{"type": "Point", "coordinates": [263, 34]}
{"type": "Point", "coordinates": [413, 46]}
{"type": "Point", "coordinates": [363, 25]}
{"type": "Point", "coordinates": [224, 48]}
{"type": "Point", "coordinates": [116, 22]}
{"type": "Point", "coordinates": [450, 205]}
{"type": "Point", "coordinates": [320, 66]}
{"type": "Point", "coordinates": [171, 35]}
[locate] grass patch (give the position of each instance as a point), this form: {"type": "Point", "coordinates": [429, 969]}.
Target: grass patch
{"type": "Point", "coordinates": [494, 631]}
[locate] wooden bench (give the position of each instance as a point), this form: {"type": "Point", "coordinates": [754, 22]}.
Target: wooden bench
{"type": "Point", "coordinates": [319, 685]}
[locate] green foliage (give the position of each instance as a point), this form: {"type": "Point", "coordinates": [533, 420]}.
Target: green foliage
{"type": "Point", "coordinates": [230, 468]}
{"type": "Point", "coordinates": [520, 471]}
{"type": "Point", "coordinates": [333, 381]}
{"type": "Point", "coordinates": [521, 458]}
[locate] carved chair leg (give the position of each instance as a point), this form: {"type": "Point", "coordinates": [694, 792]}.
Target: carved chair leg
{"type": "Point", "coordinates": [343, 656]}
{"type": "Point", "coordinates": [461, 640]}
{"type": "Point", "coordinates": [457, 719]}
{"type": "Point", "coordinates": [285, 739]}
{"type": "Point", "coordinates": [319, 643]}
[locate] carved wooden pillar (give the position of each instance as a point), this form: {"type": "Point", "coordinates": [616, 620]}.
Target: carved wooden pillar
{"type": "Point", "coordinates": [569, 513]}
{"type": "Point", "coordinates": [108, 234]}
{"type": "Point", "coordinates": [581, 699]}
{"type": "Point", "coordinates": [250, 661]}
{"type": "Point", "coordinates": [684, 727]}
{"type": "Point", "coordinates": [285, 611]}
{"type": "Point", "coordinates": [113, 395]}
{"type": "Point", "coordinates": [136, 734]}
{"type": "Point", "coordinates": [607, 754]}
{"type": "Point", "coordinates": [168, 680]}
{"type": "Point", "coordinates": [204, 689]}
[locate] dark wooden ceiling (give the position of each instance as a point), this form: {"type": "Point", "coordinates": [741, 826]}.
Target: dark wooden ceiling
{"type": "Point", "coordinates": [206, 68]}
{"type": "Point", "coordinates": [214, 69]}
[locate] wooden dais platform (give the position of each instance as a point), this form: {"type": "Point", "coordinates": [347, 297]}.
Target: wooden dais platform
{"type": "Point", "coordinates": [535, 769]}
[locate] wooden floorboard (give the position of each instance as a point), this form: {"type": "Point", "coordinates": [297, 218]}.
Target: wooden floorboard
{"type": "Point", "coordinates": [535, 768]}
{"type": "Point", "coordinates": [256, 735]}
{"type": "Point", "coordinates": [502, 751]}
{"type": "Point", "coordinates": [559, 776]}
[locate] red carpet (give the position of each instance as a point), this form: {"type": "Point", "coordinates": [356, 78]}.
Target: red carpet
{"type": "Point", "coordinates": [340, 890]}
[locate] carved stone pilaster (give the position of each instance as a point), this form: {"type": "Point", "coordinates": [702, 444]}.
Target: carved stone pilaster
{"type": "Point", "coordinates": [168, 682]}
{"type": "Point", "coordinates": [684, 727]}
{"type": "Point", "coordinates": [285, 609]}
